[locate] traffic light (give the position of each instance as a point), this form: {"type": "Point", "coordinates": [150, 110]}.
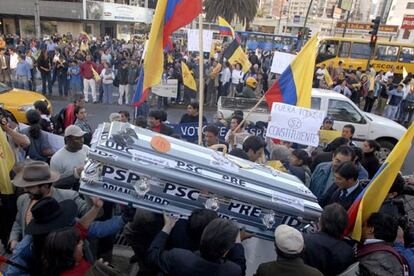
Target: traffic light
{"type": "Point", "coordinates": [308, 33]}
{"type": "Point", "coordinates": [374, 29]}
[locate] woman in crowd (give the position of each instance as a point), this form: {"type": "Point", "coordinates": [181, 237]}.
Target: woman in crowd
{"type": "Point", "coordinates": [45, 123]}
{"type": "Point", "coordinates": [363, 90]}
{"type": "Point", "coordinates": [107, 76]}
{"type": "Point", "coordinates": [236, 80]}
{"type": "Point", "coordinates": [369, 160]}
{"type": "Point", "coordinates": [299, 162]}
{"type": "Point", "coordinates": [45, 67]}
{"type": "Point", "coordinates": [235, 138]}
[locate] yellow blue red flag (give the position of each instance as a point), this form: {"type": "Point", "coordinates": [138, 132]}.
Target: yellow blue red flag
{"type": "Point", "coordinates": [225, 28]}
{"type": "Point", "coordinates": [371, 198]}
{"type": "Point", "coordinates": [294, 86]}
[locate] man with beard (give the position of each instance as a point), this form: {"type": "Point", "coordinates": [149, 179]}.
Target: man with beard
{"type": "Point", "coordinates": [69, 160]}
{"type": "Point", "coordinates": [38, 180]}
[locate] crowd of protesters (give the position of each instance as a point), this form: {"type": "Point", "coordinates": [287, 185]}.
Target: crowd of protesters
{"type": "Point", "coordinates": [48, 228]}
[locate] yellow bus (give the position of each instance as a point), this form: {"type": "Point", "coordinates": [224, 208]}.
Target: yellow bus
{"type": "Point", "coordinates": [356, 52]}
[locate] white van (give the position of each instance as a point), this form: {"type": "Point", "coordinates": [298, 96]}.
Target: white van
{"type": "Point", "coordinates": [368, 126]}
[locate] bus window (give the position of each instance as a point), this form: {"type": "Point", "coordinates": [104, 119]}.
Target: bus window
{"type": "Point", "coordinates": [344, 49]}
{"type": "Point", "coordinates": [407, 55]}
{"type": "Point", "coordinates": [360, 50]}
{"type": "Point", "coordinates": [386, 53]}
{"type": "Point", "coordinates": [327, 50]}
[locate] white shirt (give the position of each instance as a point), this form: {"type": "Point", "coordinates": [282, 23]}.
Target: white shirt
{"type": "Point", "coordinates": [29, 61]}
{"type": "Point", "coordinates": [64, 162]}
{"type": "Point", "coordinates": [106, 77]}
{"type": "Point", "coordinates": [237, 76]}
{"type": "Point", "coordinates": [225, 75]}
{"type": "Point", "coordinates": [386, 75]}
{"type": "Point", "coordinates": [320, 74]}
{"type": "Point", "coordinates": [13, 61]}
{"type": "Point", "coordinates": [350, 189]}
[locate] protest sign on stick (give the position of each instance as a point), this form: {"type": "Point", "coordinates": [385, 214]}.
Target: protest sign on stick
{"type": "Point", "coordinates": [194, 40]}
{"type": "Point", "coordinates": [295, 124]}
{"type": "Point", "coordinates": [281, 61]}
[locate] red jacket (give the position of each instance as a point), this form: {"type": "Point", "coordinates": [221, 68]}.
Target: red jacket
{"type": "Point", "coordinates": [69, 115]}
{"type": "Point", "coordinates": [86, 69]}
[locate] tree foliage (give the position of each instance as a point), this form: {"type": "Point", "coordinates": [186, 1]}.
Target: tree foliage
{"type": "Point", "coordinates": [243, 10]}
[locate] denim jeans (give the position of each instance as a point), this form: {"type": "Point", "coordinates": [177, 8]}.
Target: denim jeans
{"type": "Point", "coordinates": [22, 82]}
{"type": "Point", "coordinates": [46, 78]}
{"type": "Point", "coordinates": [63, 85]}
{"type": "Point", "coordinates": [107, 93]}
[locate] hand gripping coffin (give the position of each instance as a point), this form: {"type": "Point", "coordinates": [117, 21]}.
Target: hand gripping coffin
{"type": "Point", "coordinates": [131, 165]}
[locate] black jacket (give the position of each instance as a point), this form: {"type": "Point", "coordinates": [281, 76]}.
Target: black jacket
{"type": "Point", "coordinates": [370, 163]}
{"type": "Point", "coordinates": [332, 195]}
{"type": "Point", "coordinates": [327, 254]}
{"type": "Point", "coordinates": [123, 76]}
{"type": "Point", "coordinates": [183, 262]}
{"type": "Point", "coordinates": [186, 119]}
{"type": "Point", "coordinates": [166, 130]}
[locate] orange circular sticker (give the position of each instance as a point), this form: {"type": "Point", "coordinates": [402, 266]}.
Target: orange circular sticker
{"type": "Point", "coordinates": [160, 144]}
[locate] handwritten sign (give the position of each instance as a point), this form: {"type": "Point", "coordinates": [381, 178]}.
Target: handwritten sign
{"type": "Point", "coordinates": [167, 88]}
{"type": "Point", "coordinates": [194, 42]}
{"type": "Point", "coordinates": [295, 124]}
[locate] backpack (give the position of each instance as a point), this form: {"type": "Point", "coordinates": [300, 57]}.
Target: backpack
{"type": "Point", "coordinates": [58, 121]}
{"type": "Point", "coordinates": [366, 250]}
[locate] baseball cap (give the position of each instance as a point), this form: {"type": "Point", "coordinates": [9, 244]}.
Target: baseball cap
{"type": "Point", "coordinates": [74, 130]}
{"type": "Point", "coordinates": [288, 239]}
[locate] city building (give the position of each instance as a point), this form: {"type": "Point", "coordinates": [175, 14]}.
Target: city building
{"type": "Point", "coordinates": [117, 18]}
{"type": "Point", "coordinates": [402, 14]}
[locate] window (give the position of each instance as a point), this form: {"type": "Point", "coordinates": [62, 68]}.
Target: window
{"type": "Point", "coordinates": [327, 50]}
{"type": "Point", "coordinates": [316, 103]}
{"type": "Point", "coordinates": [410, 5]}
{"type": "Point", "coordinates": [360, 50]}
{"type": "Point", "coordinates": [345, 112]}
{"type": "Point", "coordinates": [386, 53]}
{"type": "Point", "coordinates": [344, 49]}
{"type": "Point", "coordinates": [407, 55]}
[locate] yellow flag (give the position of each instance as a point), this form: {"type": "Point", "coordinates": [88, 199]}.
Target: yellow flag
{"type": "Point", "coordinates": [405, 73]}
{"type": "Point", "coordinates": [235, 54]}
{"type": "Point", "coordinates": [377, 190]}
{"type": "Point", "coordinates": [95, 74]}
{"type": "Point", "coordinates": [6, 165]}
{"type": "Point", "coordinates": [328, 78]}
{"type": "Point", "coordinates": [188, 78]}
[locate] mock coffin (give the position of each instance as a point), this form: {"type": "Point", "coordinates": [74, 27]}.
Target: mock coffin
{"type": "Point", "coordinates": [135, 166]}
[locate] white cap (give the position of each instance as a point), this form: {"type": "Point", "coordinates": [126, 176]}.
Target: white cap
{"type": "Point", "coordinates": [74, 130]}
{"type": "Point", "coordinates": [288, 239]}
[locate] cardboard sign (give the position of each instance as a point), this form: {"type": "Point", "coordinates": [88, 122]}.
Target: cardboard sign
{"type": "Point", "coordinates": [295, 124]}
{"type": "Point", "coordinates": [194, 42]}
{"type": "Point", "coordinates": [167, 88]}
{"type": "Point", "coordinates": [281, 61]}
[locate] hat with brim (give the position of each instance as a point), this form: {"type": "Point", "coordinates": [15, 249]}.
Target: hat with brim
{"type": "Point", "coordinates": [35, 173]}
{"type": "Point", "coordinates": [49, 215]}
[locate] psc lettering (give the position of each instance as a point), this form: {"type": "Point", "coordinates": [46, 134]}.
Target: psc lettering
{"type": "Point", "coordinates": [188, 167]}
{"type": "Point", "coordinates": [181, 191]}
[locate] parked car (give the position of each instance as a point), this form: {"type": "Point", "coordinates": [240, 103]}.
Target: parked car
{"type": "Point", "coordinates": [368, 126]}
{"type": "Point", "coordinates": [18, 101]}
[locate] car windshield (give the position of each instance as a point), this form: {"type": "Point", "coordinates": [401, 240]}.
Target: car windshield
{"type": "Point", "coordinates": [4, 88]}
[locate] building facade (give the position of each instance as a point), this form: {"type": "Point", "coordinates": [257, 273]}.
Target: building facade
{"type": "Point", "coordinates": [402, 14]}
{"type": "Point", "coordinates": [117, 18]}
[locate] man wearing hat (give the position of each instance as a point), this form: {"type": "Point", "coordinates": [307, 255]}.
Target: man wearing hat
{"type": "Point", "coordinates": [69, 160]}
{"type": "Point", "coordinates": [36, 179]}
{"type": "Point", "coordinates": [289, 247]}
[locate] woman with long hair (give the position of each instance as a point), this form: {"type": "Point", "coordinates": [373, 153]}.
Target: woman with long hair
{"type": "Point", "coordinates": [45, 68]}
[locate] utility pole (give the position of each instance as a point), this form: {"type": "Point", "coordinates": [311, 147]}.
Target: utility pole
{"type": "Point", "coordinates": [37, 19]}
{"type": "Point", "coordinates": [304, 29]}
{"type": "Point", "coordinates": [348, 15]}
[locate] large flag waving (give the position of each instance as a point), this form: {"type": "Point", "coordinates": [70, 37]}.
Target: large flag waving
{"type": "Point", "coordinates": [169, 16]}
{"type": "Point", "coordinates": [225, 28]}
{"type": "Point", "coordinates": [294, 86]}
{"type": "Point", "coordinates": [371, 198]}
{"type": "Point", "coordinates": [235, 54]}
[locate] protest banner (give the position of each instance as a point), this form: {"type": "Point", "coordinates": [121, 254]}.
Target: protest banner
{"type": "Point", "coordinates": [194, 43]}
{"type": "Point", "coordinates": [167, 88]}
{"type": "Point", "coordinates": [281, 61]}
{"type": "Point", "coordinates": [295, 124]}
{"type": "Point", "coordinates": [327, 136]}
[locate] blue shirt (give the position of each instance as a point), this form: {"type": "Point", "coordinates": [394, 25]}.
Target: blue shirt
{"type": "Point", "coordinates": [51, 47]}
{"type": "Point", "coordinates": [23, 69]}
{"type": "Point", "coordinates": [407, 253]}
{"type": "Point", "coordinates": [74, 72]}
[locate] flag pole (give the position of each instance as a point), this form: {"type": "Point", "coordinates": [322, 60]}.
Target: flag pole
{"type": "Point", "coordinates": [201, 81]}
{"type": "Point", "coordinates": [250, 112]}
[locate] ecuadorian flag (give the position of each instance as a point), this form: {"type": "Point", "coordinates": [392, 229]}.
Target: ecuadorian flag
{"type": "Point", "coordinates": [225, 28]}
{"type": "Point", "coordinates": [294, 86]}
{"type": "Point", "coordinates": [371, 198]}
{"type": "Point", "coordinates": [169, 16]}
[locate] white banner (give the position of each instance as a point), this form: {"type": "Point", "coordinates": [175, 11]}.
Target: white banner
{"type": "Point", "coordinates": [167, 88]}
{"type": "Point", "coordinates": [117, 12]}
{"type": "Point", "coordinates": [281, 61]}
{"type": "Point", "coordinates": [194, 43]}
{"type": "Point", "coordinates": [295, 124]}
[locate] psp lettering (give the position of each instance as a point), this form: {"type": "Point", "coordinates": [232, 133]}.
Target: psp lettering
{"type": "Point", "coordinates": [188, 167]}
{"type": "Point", "coordinates": [181, 191]}
{"type": "Point", "coordinates": [119, 174]}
